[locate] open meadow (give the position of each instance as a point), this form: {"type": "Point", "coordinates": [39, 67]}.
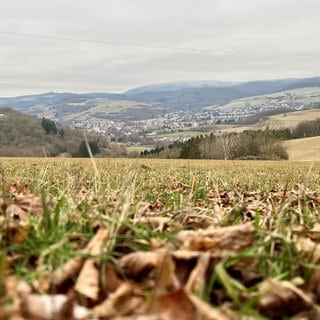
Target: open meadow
{"type": "Point", "coordinates": [159, 239]}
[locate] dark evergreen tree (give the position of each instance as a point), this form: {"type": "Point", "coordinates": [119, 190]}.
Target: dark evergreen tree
{"type": "Point", "coordinates": [190, 149]}
{"type": "Point", "coordinates": [49, 126]}
{"type": "Point", "coordinates": [83, 151]}
{"type": "Point", "coordinates": [61, 133]}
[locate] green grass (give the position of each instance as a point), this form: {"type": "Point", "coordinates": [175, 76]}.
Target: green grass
{"type": "Point", "coordinates": [279, 198]}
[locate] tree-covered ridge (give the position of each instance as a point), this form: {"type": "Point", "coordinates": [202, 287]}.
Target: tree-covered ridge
{"type": "Point", "coordinates": [22, 135]}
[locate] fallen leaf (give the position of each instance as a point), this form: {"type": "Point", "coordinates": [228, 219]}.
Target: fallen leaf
{"type": "Point", "coordinates": [176, 305]}
{"type": "Point", "coordinates": [111, 280]}
{"type": "Point", "coordinates": [31, 204]}
{"type": "Point", "coordinates": [48, 307]}
{"type": "Point", "coordinates": [282, 298]}
{"type": "Point", "coordinates": [308, 246]}
{"type": "Point", "coordinates": [165, 279]}
{"type": "Point", "coordinates": [16, 188]}
{"type": "Point", "coordinates": [88, 282]}
{"type": "Point", "coordinates": [23, 206]}
{"type": "Point", "coordinates": [222, 242]}
{"type": "Point", "coordinates": [121, 302]}
{"type": "Point", "coordinates": [73, 266]}
{"type": "Point", "coordinates": [314, 284]}
{"type": "Point", "coordinates": [197, 279]}
{"type": "Point", "coordinates": [156, 223]}
{"type": "Point", "coordinates": [16, 232]}
{"type": "Point", "coordinates": [207, 312]}
{"type": "Point", "coordinates": [138, 264]}
{"type": "Point", "coordinates": [13, 211]}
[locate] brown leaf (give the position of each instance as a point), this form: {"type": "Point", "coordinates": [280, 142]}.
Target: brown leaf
{"type": "Point", "coordinates": [23, 206]}
{"type": "Point", "coordinates": [308, 246]}
{"type": "Point", "coordinates": [88, 283]}
{"type": "Point", "coordinates": [112, 281]}
{"type": "Point", "coordinates": [13, 211]}
{"type": "Point", "coordinates": [121, 302]}
{"type": "Point", "coordinates": [43, 307]}
{"type": "Point", "coordinates": [31, 204]}
{"type": "Point", "coordinates": [15, 232]}
{"type": "Point", "coordinates": [165, 278]}
{"type": "Point", "coordinates": [222, 242]}
{"type": "Point", "coordinates": [156, 223]}
{"type": "Point", "coordinates": [16, 188]}
{"type": "Point", "coordinates": [73, 266]}
{"type": "Point", "coordinates": [137, 264]}
{"type": "Point", "coordinates": [314, 284]}
{"type": "Point", "coordinates": [206, 312]}
{"type": "Point", "coordinates": [177, 305]}
{"type": "Point", "coordinates": [197, 278]}
{"type": "Point", "coordinates": [15, 287]}
{"type": "Point", "coordinates": [280, 299]}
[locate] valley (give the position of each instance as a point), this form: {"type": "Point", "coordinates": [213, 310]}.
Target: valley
{"type": "Point", "coordinates": [170, 112]}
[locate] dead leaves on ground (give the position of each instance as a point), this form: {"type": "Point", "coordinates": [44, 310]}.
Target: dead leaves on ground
{"type": "Point", "coordinates": [175, 278]}
{"type": "Point", "coordinates": [140, 283]}
{"type": "Point", "coordinates": [20, 203]}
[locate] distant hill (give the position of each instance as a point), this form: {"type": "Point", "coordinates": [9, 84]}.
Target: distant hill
{"type": "Point", "coordinates": [178, 85]}
{"type": "Point", "coordinates": [149, 101]}
{"type": "Point", "coordinates": [201, 97]}
{"type": "Point", "coordinates": [66, 107]}
{"type": "Point", "coordinates": [23, 135]}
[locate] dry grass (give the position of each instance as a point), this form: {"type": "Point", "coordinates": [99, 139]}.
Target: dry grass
{"type": "Point", "coordinates": [285, 120]}
{"type": "Point", "coordinates": [303, 149]}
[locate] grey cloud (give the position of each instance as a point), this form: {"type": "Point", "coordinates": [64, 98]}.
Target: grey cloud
{"type": "Point", "coordinates": [146, 41]}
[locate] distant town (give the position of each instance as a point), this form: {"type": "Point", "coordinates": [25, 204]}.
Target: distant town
{"type": "Point", "coordinates": [181, 122]}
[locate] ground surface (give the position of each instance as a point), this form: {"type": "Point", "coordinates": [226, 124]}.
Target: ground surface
{"type": "Point", "coordinates": [154, 239]}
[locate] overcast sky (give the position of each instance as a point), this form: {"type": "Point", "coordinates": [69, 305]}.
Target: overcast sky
{"type": "Point", "coordinates": [116, 45]}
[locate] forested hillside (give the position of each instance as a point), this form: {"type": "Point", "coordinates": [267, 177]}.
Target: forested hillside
{"type": "Point", "coordinates": [22, 135]}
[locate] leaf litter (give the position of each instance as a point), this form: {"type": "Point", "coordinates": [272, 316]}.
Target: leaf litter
{"type": "Point", "coordinates": [239, 255]}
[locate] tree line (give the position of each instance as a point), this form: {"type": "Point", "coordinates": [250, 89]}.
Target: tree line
{"type": "Point", "coordinates": [250, 144]}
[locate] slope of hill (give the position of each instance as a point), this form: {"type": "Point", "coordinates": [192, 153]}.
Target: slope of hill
{"type": "Point", "coordinates": [69, 106]}
{"type": "Point", "coordinates": [198, 98]}
{"type": "Point", "coordinates": [278, 121]}
{"type": "Point", "coordinates": [149, 101]}
{"type": "Point", "coordinates": [301, 96]}
{"type": "Point", "coordinates": [303, 149]}
{"type": "Point", "coordinates": [23, 135]}
{"type": "Point", "coordinates": [178, 85]}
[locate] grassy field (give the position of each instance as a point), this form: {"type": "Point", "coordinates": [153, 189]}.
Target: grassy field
{"type": "Point", "coordinates": [104, 106]}
{"type": "Point", "coordinates": [303, 149]}
{"type": "Point", "coordinates": [157, 239]}
{"type": "Point", "coordinates": [285, 120]}
{"type": "Point", "coordinates": [291, 119]}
